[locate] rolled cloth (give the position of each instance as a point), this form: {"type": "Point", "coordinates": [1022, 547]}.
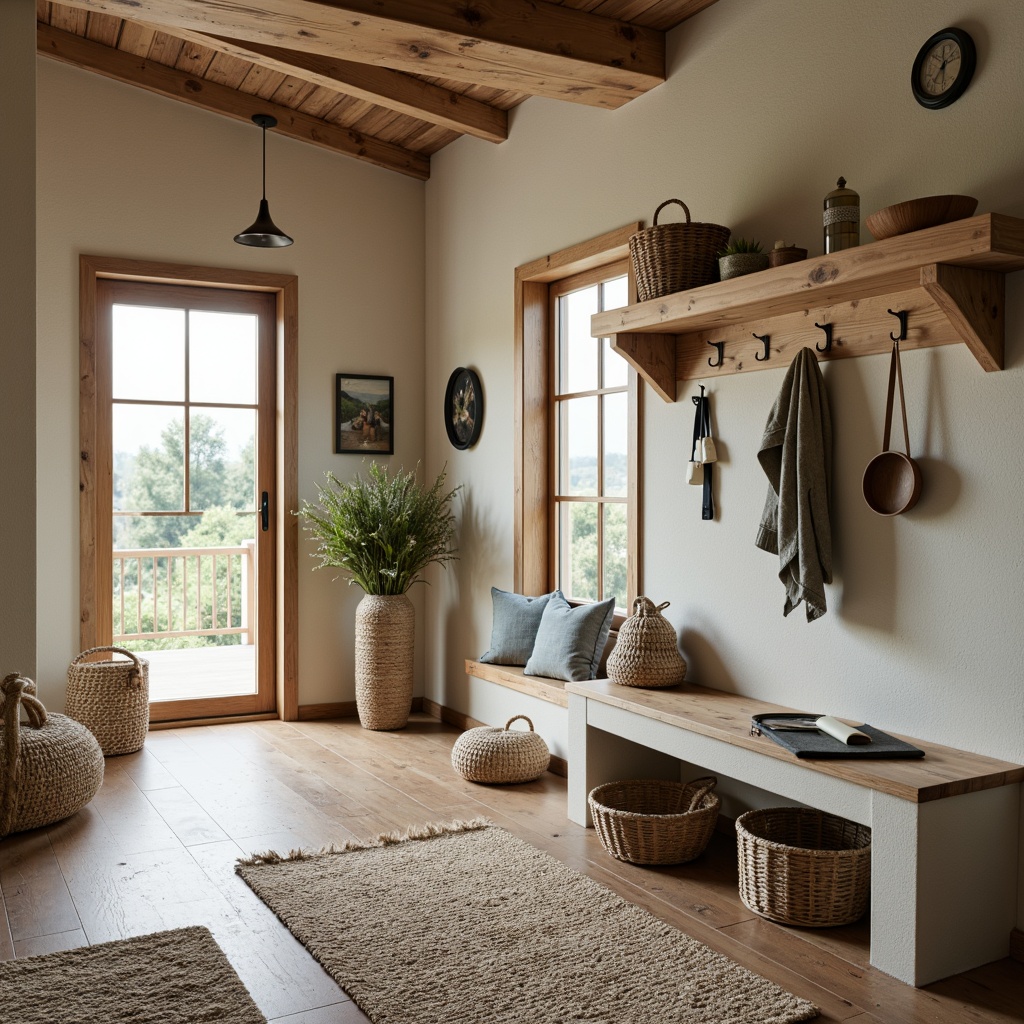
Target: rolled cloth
{"type": "Point", "coordinates": [796, 456]}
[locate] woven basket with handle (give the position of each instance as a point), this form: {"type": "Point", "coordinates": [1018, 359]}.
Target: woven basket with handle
{"type": "Point", "coordinates": [645, 653]}
{"type": "Point", "coordinates": [111, 699]}
{"type": "Point", "coordinates": [489, 754]}
{"type": "Point", "coordinates": [675, 257]}
{"type": "Point", "coordinates": [49, 768]}
{"type": "Point", "coordinates": [803, 866]}
{"type": "Point", "coordinates": [655, 821]}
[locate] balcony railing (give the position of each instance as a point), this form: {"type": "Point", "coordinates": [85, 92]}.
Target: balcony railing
{"type": "Point", "coordinates": [180, 592]}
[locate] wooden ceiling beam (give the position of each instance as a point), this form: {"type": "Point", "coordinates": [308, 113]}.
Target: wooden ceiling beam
{"type": "Point", "coordinates": [393, 90]}
{"type": "Point", "coordinates": [526, 46]}
{"type": "Point", "coordinates": [166, 81]}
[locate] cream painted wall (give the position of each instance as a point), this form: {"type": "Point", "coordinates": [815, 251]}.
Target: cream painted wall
{"type": "Point", "coordinates": [125, 173]}
{"type": "Point", "coordinates": [18, 341]}
{"type": "Point", "coordinates": [766, 105]}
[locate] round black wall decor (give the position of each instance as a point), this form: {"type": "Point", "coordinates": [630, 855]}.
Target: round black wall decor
{"type": "Point", "coordinates": [463, 408]}
{"type": "Point", "coordinates": [943, 68]}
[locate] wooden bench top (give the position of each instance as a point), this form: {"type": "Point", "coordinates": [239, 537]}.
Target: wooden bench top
{"type": "Point", "coordinates": [551, 690]}
{"type": "Point", "coordinates": [942, 772]}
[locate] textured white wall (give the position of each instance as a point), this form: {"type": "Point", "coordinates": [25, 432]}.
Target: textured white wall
{"type": "Point", "coordinates": [767, 104]}
{"type": "Point", "coordinates": [17, 341]}
{"type": "Point", "coordinates": [126, 173]}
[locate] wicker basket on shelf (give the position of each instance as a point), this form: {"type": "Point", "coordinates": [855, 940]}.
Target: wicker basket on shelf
{"type": "Point", "coordinates": [655, 821]}
{"type": "Point", "coordinates": [490, 754]}
{"type": "Point", "coordinates": [645, 653]}
{"type": "Point", "coordinates": [111, 699]}
{"type": "Point", "coordinates": [804, 867]}
{"type": "Point", "coordinates": [675, 257]}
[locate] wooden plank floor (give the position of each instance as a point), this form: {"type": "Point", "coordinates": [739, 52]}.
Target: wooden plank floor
{"type": "Point", "coordinates": [156, 850]}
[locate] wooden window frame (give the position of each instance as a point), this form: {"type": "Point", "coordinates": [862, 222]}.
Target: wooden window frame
{"type": "Point", "coordinates": [93, 624]}
{"type": "Point", "coordinates": [533, 553]}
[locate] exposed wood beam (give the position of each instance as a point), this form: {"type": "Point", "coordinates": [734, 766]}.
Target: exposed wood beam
{"type": "Point", "coordinates": [383, 87]}
{"type": "Point", "coordinates": [526, 46]}
{"type": "Point", "coordinates": [158, 78]}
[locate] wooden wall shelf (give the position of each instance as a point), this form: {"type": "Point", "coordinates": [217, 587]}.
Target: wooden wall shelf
{"type": "Point", "coordinates": [950, 280]}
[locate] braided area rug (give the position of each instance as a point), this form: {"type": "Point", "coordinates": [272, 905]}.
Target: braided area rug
{"type": "Point", "coordinates": [175, 977]}
{"type": "Point", "coordinates": [465, 922]}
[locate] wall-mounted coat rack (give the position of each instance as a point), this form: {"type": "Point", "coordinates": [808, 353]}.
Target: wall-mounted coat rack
{"type": "Point", "coordinates": [944, 284]}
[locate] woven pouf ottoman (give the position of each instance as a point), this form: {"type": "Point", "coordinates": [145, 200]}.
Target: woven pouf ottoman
{"type": "Point", "coordinates": [490, 754]}
{"type": "Point", "coordinates": [49, 768]}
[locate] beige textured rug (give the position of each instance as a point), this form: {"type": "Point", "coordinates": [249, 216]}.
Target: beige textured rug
{"type": "Point", "coordinates": [176, 977]}
{"type": "Point", "coordinates": [466, 923]}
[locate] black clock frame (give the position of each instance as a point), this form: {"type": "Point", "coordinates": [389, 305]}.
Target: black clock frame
{"type": "Point", "coordinates": [968, 62]}
{"type": "Point", "coordinates": [466, 441]}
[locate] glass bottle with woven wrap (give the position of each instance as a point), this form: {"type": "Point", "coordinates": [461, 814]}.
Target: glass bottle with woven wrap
{"type": "Point", "coordinates": [841, 218]}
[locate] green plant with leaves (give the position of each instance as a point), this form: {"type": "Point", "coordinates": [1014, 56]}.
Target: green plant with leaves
{"type": "Point", "coordinates": [381, 531]}
{"type": "Point", "coordinates": [738, 245]}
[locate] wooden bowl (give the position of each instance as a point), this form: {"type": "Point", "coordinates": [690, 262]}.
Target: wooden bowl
{"type": "Point", "coordinates": [892, 483]}
{"type": "Point", "coordinates": [915, 214]}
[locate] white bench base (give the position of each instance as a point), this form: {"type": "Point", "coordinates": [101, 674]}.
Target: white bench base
{"type": "Point", "coordinates": [943, 872]}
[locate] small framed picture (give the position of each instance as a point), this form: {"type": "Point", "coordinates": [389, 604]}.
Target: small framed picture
{"type": "Point", "coordinates": [364, 414]}
{"type": "Point", "coordinates": [463, 408]}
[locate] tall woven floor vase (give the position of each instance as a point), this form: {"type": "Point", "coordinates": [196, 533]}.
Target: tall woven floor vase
{"type": "Point", "coordinates": [385, 640]}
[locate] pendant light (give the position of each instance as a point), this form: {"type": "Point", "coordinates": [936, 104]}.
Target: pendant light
{"type": "Point", "coordinates": [263, 232]}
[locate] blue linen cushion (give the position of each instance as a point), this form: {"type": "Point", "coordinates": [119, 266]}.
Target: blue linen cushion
{"type": "Point", "coordinates": [513, 627]}
{"type": "Point", "coordinates": [571, 639]}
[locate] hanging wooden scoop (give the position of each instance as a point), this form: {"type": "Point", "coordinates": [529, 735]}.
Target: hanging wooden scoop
{"type": "Point", "coordinates": [892, 480]}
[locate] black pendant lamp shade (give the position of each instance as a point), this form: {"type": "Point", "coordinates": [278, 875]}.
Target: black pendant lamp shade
{"type": "Point", "coordinates": [263, 232]}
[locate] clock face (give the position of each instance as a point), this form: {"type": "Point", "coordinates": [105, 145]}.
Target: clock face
{"type": "Point", "coordinates": [943, 68]}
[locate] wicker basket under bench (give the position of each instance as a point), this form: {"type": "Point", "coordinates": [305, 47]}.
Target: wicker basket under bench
{"type": "Point", "coordinates": [930, 917]}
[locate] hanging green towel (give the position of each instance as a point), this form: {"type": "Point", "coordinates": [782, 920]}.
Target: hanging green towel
{"type": "Point", "coordinates": [796, 455]}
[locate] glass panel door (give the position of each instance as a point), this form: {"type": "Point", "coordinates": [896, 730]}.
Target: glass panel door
{"type": "Point", "coordinates": [191, 409]}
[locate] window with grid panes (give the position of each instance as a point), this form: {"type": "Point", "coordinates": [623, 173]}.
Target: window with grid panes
{"type": "Point", "coordinates": [591, 412]}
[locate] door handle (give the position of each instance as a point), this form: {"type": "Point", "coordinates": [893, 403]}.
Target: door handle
{"type": "Point", "coordinates": [263, 511]}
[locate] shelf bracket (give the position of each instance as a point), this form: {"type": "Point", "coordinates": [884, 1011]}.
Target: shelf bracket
{"type": "Point", "coordinates": [653, 356]}
{"type": "Point", "coordinates": [973, 301]}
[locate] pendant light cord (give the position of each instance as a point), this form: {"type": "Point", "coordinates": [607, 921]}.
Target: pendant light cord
{"type": "Point", "coordinates": [264, 161]}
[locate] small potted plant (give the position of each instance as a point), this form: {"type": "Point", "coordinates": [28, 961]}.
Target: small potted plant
{"type": "Point", "coordinates": [382, 533]}
{"type": "Point", "coordinates": [741, 256]}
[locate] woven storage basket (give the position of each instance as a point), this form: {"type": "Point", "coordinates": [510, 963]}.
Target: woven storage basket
{"type": "Point", "coordinates": [674, 257]}
{"type": "Point", "coordinates": [655, 821]}
{"type": "Point", "coordinates": [489, 754]}
{"type": "Point", "coordinates": [111, 698]}
{"type": "Point", "coordinates": [645, 653]}
{"type": "Point", "coordinates": [804, 867]}
{"type": "Point", "coordinates": [49, 768]}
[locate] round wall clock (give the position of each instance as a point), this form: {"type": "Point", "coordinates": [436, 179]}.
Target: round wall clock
{"type": "Point", "coordinates": [463, 408]}
{"type": "Point", "coordinates": [943, 68]}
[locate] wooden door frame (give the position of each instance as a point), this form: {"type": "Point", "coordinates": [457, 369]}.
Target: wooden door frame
{"type": "Point", "coordinates": [286, 289]}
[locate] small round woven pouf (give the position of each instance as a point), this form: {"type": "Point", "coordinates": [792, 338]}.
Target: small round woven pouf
{"type": "Point", "coordinates": [49, 768]}
{"type": "Point", "coordinates": [490, 754]}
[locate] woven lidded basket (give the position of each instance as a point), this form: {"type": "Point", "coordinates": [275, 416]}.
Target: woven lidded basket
{"type": "Point", "coordinates": [49, 768]}
{"type": "Point", "coordinates": [490, 754]}
{"type": "Point", "coordinates": [674, 257]}
{"type": "Point", "coordinates": [111, 699]}
{"type": "Point", "coordinates": [802, 866]}
{"type": "Point", "coordinates": [655, 821]}
{"type": "Point", "coordinates": [645, 653]}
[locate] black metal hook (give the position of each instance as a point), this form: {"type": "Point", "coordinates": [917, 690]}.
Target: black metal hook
{"type": "Point", "coordinates": [765, 340]}
{"type": "Point", "coordinates": [902, 316]}
{"type": "Point", "coordinates": [697, 400]}
{"type": "Point", "coordinates": [827, 328]}
{"type": "Point", "coordinates": [720, 345]}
